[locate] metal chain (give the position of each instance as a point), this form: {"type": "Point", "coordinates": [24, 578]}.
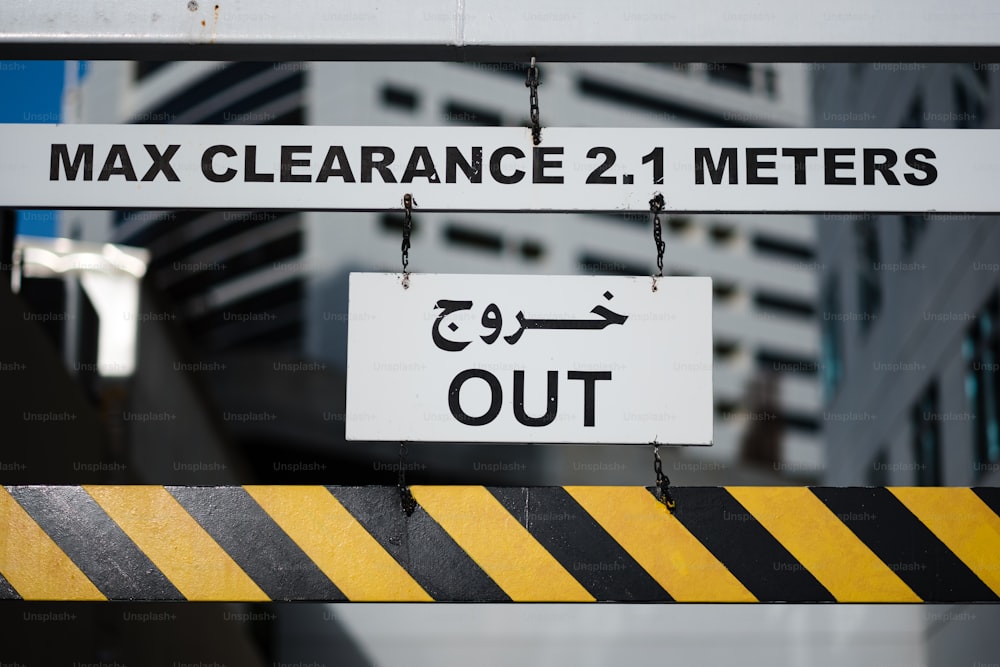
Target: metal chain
{"type": "Point", "coordinates": [532, 83]}
{"type": "Point", "coordinates": [662, 481]}
{"type": "Point", "coordinates": [656, 205]}
{"type": "Point", "coordinates": [406, 499]}
{"type": "Point", "coordinates": [408, 203]}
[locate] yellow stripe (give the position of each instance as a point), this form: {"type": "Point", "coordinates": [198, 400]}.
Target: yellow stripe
{"type": "Point", "coordinates": [963, 522]}
{"type": "Point", "coordinates": [35, 565]}
{"type": "Point", "coordinates": [176, 543]}
{"type": "Point", "coordinates": [661, 544]}
{"type": "Point", "coordinates": [823, 544]}
{"type": "Point", "coordinates": [340, 546]}
{"type": "Point", "coordinates": [501, 546]}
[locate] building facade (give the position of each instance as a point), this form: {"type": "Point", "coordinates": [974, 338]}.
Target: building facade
{"type": "Point", "coordinates": [909, 302]}
{"type": "Point", "coordinates": [908, 315]}
{"type": "Point", "coordinates": [253, 279]}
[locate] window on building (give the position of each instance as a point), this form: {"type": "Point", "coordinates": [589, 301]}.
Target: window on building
{"type": "Point", "coordinates": [800, 423]}
{"type": "Point", "coordinates": [783, 305]}
{"type": "Point", "coordinates": [399, 98]}
{"type": "Point", "coordinates": [981, 350]}
{"type": "Point", "coordinates": [468, 237]}
{"type": "Point", "coordinates": [392, 223]}
{"type": "Point", "coordinates": [832, 345]}
{"type": "Point", "coordinates": [869, 260]}
{"type": "Point", "coordinates": [770, 82]}
{"type": "Point", "coordinates": [926, 432]}
{"type": "Point", "coordinates": [913, 227]}
{"type": "Point", "coordinates": [296, 116]}
{"type": "Point", "coordinates": [820, 88]}
{"type": "Point", "coordinates": [144, 68]}
{"type": "Point", "coordinates": [472, 238]}
{"type": "Point", "coordinates": [982, 73]}
{"type": "Point", "coordinates": [657, 106]}
{"type": "Point", "coordinates": [242, 92]}
{"type": "Point", "coordinates": [968, 107]}
{"type": "Point", "coordinates": [779, 248]}
{"type": "Point", "coordinates": [532, 250]}
{"type": "Point", "coordinates": [514, 70]}
{"type": "Point", "coordinates": [722, 234]}
{"type": "Point", "coordinates": [466, 114]}
{"type": "Point", "coordinates": [724, 290]}
{"type": "Point", "coordinates": [725, 350]}
{"type": "Point", "coordinates": [678, 224]}
{"type": "Point", "coordinates": [737, 74]}
{"type": "Point", "coordinates": [590, 262]}
{"type": "Point", "coordinates": [878, 472]}
{"type": "Point", "coordinates": [726, 410]}
{"type": "Point", "coordinates": [772, 361]}
{"type": "Point", "coordinates": [914, 115]}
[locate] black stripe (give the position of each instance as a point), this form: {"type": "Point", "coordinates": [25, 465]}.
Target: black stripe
{"type": "Point", "coordinates": [905, 544]}
{"type": "Point", "coordinates": [577, 541]}
{"type": "Point", "coordinates": [7, 591]}
{"type": "Point", "coordinates": [989, 495]}
{"type": "Point", "coordinates": [251, 538]}
{"type": "Point", "coordinates": [420, 545]}
{"type": "Point", "coordinates": [746, 548]}
{"type": "Point", "coordinates": [92, 540]}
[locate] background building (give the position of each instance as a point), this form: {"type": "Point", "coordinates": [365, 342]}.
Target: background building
{"type": "Point", "coordinates": [908, 314]}
{"type": "Point", "coordinates": [908, 303]}
{"type": "Point", "coordinates": [210, 268]}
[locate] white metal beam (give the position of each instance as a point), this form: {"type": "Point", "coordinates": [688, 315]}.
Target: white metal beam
{"type": "Point", "coordinates": [484, 30]}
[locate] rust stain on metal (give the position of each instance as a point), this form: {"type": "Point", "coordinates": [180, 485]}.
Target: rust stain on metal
{"type": "Point", "coordinates": [214, 29]}
{"type": "Point", "coordinates": [215, 24]}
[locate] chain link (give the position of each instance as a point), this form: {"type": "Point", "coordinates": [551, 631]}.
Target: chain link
{"type": "Point", "coordinates": [408, 203]}
{"type": "Point", "coordinates": [662, 481]}
{"type": "Point", "coordinates": [532, 83]}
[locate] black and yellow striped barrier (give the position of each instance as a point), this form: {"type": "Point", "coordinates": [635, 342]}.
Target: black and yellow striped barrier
{"type": "Point", "coordinates": [735, 544]}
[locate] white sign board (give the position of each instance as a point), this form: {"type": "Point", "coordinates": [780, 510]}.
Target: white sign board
{"type": "Point", "coordinates": [498, 169]}
{"type": "Point", "coordinates": [574, 359]}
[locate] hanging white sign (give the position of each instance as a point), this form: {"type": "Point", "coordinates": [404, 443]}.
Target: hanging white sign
{"type": "Point", "coordinates": [498, 169]}
{"type": "Point", "coordinates": [477, 358]}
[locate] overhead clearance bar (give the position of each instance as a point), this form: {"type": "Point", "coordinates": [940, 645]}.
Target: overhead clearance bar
{"type": "Point", "coordinates": [500, 544]}
{"type": "Point", "coordinates": [483, 30]}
